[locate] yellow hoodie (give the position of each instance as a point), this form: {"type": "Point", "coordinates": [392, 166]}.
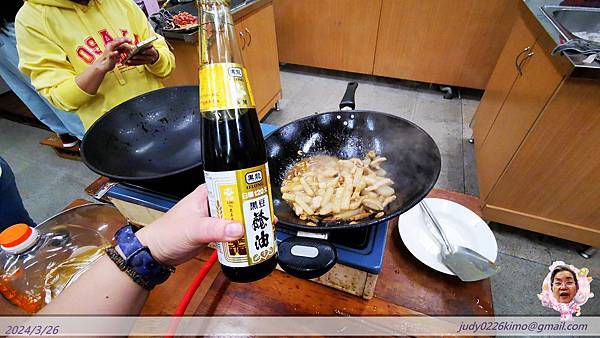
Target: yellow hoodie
{"type": "Point", "coordinates": [58, 39]}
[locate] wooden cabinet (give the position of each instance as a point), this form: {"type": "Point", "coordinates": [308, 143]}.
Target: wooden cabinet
{"type": "Point", "coordinates": [333, 34]}
{"type": "Point", "coordinates": [537, 137]}
{"type": "Point", "coordinates": [259, 51]}
{"type": "Point", "coordinates": [447, 42]}
{"type": "Point", "coordinates": [522, 106]}
{"type": "Point", "coordinates": [259, 54]}
{"type": "Point", "coordinates": [552, 185]}
{"type": "Point", "coordinates": [503, 77]}
{"type": "Point", "coordinates": [186, 64]}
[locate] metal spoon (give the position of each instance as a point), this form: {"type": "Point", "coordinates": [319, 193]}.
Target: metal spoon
{"type": "Point", "coordinates": [467, 264]}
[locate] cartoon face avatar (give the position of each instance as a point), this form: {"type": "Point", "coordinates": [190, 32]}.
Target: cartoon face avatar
{"type": "Point", "coordinates": [564, 285]}
{"type": "Point", "coordinates": [565, 289]}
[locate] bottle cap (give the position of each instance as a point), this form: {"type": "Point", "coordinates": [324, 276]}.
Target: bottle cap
{"type": "Point", "coordinates": [18, 238]}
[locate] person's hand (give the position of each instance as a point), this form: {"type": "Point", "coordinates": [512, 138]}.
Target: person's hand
{"type": "Point", "coordinates": [146, 56]}
{"type": "Point", "coordinates": [182, 232]}
{"type": "Point", "coordinates": [112, 54]}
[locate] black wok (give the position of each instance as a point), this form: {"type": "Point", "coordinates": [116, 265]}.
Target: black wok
{"type": "Point", "coordinates": [413, 163]}
{"type": "Point", "coordinates": [152, 140]}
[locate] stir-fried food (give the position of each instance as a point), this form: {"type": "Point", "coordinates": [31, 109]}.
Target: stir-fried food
{"type": "Point", "coordinates": [328, 189]}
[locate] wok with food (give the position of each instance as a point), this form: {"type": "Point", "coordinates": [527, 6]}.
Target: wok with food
{"type": "Point", "coordinates": [404, 163]}
{"type": "Point", "coordinates": [325, 189]}
{"type": "Point", "coordinates": [181, 21]}
{"type": "Point", "coordinates": [342, 170]}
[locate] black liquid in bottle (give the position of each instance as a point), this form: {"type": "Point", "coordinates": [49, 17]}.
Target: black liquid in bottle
{"type": "Point", "coordinates": [233, 149]}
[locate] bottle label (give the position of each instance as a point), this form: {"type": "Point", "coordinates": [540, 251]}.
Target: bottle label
{"type": "Point", "coordinates": [245, 196]}
{"type": "Point", "coordinates": [224, 86]}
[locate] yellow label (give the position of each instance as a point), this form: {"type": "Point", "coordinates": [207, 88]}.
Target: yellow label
{"type": "Point", "coordinates": [224, 86]}
{"type": "Point", "coordinates": [245, 196]}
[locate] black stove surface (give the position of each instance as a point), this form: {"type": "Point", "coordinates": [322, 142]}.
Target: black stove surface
{"type": "Point", "coordinates": [174, 192]}
{"type": "Point", "coordinates": [352, 238]}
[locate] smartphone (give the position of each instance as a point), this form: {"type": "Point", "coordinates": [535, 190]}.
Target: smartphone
{"type": "Point", "coordinates": [140, 47]}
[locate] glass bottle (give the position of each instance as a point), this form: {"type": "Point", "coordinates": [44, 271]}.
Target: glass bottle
{"type": "Point", "coordinates": [233, 149]}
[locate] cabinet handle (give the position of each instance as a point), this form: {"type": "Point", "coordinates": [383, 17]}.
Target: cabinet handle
{"type": "Point", "coordinates": [250, 36]}
{"type": "Point", "coordinates": [522, 63]}
{"type": "Point", "coordinates": [518, 63]}
{"type": "Point", "coordinates": [244, 39]}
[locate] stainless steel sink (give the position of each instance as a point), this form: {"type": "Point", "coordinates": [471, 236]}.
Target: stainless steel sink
{"type": "Point", "coordinates": [237, 3]}
{"type": "Point", "coordinates": [569, 20]}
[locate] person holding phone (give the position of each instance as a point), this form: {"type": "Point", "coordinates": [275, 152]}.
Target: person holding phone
{"type": "Point", "coordinates": [74, 52]}
{"type": "Point", "coordinates": [66, 125]}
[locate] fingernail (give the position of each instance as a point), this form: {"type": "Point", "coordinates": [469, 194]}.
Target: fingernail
{"type": "Point", "coordinates": [234, 230]}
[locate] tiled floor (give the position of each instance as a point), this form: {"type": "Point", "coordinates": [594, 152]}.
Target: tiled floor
{"type": "Point", "coordinates": [47, 183]}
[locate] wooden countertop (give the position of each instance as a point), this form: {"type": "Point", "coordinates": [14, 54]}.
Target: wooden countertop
{"type": "Point", "coordinates": [405, 286]}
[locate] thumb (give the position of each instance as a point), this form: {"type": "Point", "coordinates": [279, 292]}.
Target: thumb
{"type": "Point", "coordinates": [209, 229]}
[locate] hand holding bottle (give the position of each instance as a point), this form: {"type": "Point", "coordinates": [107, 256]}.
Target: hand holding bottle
{"type": "Point", "coordinates": [182, 232]}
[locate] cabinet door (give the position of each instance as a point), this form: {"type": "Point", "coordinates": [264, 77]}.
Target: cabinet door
{"type": "Point", "coordinates": [447, 42]}
{"type": "Point", "coordinates": [334, 34]}
{"type": "Point", "coordinates": [553, 183]}
{"type": "Point", "coordinates": [260, 56]}
{"type": "Point", "coordinates": [524, 103]}
{"type": "Point", "coordinates": [502, 80]}
{"type": "Point", "coordinates": [238, 28]}
{"type": "Point", "coordinates": [187, 61]}
{"type": "Point", "coordinates": [186, 65]}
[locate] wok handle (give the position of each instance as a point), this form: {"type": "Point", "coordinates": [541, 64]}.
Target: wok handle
{"type": "Point", "coordinates": [348, 101]}
{"type": "Point", "coordinates": [306, 257]}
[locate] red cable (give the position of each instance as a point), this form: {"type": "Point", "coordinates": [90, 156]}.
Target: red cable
{"type": "Point", "coordinates": [185, 300]}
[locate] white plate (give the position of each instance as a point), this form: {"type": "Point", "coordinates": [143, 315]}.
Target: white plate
{"type": "Point", "coordinates": [462, 227]}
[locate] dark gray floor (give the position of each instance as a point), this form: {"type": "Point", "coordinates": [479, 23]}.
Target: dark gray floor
{"type": "Point", "coordinates": [47, 183]}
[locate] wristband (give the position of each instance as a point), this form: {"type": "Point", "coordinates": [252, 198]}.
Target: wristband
{"type": "Point", "coordinates": [138, 258]}
{"type": "Point", "coordinates": [120, 262]}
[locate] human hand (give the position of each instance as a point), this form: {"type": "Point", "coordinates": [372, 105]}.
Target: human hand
{"type": "Point", "coordinates": [184, 230]}
{"type": "Point", "coordinates": [146, 56]}
{"type": "Point", "coordinates": [112, 54]}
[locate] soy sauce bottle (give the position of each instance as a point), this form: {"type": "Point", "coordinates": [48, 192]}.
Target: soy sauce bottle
{"type": "Point", "coordinates": [233, 149]}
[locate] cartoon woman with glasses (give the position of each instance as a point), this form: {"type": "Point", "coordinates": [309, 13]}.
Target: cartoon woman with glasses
{"type": "Point", "coordinates": [564, 284]}
{"type": "Point", "coordinates": [565, 289]}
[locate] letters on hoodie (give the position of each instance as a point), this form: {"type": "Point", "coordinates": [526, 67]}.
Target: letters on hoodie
{"type": "Point", "coordinates": [90, 48]}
